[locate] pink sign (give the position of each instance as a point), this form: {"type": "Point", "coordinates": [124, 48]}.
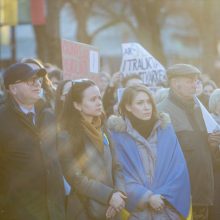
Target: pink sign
{"type": "Point", "coordinates": [79, 60]}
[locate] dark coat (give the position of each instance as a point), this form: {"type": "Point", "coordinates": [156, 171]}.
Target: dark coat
{"type": "Point", "coordinates": [109, 100]}
{"type": "Point", "coordinates": [31, 181]}
{"type": "Point", "coordinates": [193, 138]}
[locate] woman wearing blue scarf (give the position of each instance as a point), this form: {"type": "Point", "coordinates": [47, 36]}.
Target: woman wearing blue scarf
{"type": "Point", "coordinates": [154, 168]}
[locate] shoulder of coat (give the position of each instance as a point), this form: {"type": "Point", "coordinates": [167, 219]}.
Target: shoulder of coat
{"type": "Point", "coordinates": [164, 118]}
{"type": "Point", "coordinates": [116, 123]}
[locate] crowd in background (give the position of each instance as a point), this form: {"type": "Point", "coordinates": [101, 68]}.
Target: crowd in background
{"type": "Point", "coordinates": [87, 153]}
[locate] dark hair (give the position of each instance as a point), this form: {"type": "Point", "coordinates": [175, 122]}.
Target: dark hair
{"type": "Point", "coordinates": [128, 96]}
{"type": "Point", "coordinates": [71, 117]}
{"type": "Point", "coordinates": [56, 73]}
{"type": "Point", "coordinates": [129, 77]}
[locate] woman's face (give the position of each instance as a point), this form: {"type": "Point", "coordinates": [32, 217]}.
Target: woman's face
{"type": "Point", "coordinates": [141, 106]}
{"type": "Point", "coordinates": [91, 105]}
{"type": "Point", "coordinates": [208, 89]}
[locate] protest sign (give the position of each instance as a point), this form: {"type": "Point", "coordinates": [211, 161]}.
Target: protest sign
{"type": "Point", "coordinates": [135, 59]}
{"type": "Point", "coordinates": [210, 123]}
{"type": "Point", "coordinates": [79, 60]}
{"type": "Point", "coordinates": [119, 94]}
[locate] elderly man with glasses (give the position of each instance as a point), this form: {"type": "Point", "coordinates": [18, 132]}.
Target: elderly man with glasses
{"type": "Point", "coordinates": [31, 181]}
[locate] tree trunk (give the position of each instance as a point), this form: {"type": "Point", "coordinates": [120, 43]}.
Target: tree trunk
{"type": "Point", "coordinates": [53, 32]}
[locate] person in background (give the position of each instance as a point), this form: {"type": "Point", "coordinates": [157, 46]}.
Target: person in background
{"type": "Point", "coordinates": [208, 87]}
{"type": "Point", "coordinates": [109, 97]}
{"type": "Point", "coordinates": [214, 105]}
{"type": "Point", "coordinates": [61, 93]}
{"type": "Point", "coordinates": [154, 168]}
{"type": "Point", "coordinates": [31, 180]}
{"type": "Point", "coordinates": [161, 94]}
{"type": "Point", "coordinates": [102, 83]}
{"type": "Point", "coordinates": [2, 91]}
{"type": "Point", "coordinates": [204, 98]}
{"type": "Point", "coordinates": [54, 74]}
{"type": "Point", "coordinates": [88, 160]}
{"type": "Point", "coordinates": [214, 108]}
{"type": "Point", "coordinates": [190, 128]}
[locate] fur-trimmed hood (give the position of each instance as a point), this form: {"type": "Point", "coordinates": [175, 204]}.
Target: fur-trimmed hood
{"type": "Point", "coordinates": [117, 123]}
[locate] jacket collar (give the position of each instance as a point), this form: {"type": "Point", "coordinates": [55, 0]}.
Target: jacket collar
{"type": "Point", "coordinates": [117, 123]}
{"type": "Point", "coordinates": [187, 105]}
{"type": "Point", "coordinates": [13, 105]}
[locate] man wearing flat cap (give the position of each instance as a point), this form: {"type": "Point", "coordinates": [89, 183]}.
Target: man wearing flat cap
{"type": "Point", "coordinates": [31, 181]}
{"type": "Point", "coordinates": [190, 128]}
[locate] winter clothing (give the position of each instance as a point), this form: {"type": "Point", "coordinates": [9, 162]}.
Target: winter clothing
{"type": "Point", "coordinates": [191, 132]}
{"type": "Point", "coordinates": [109, 100]}
{"type": "Point", "coordinates": [155, 165]}
{"type": "Point", "coordinates": [22, 71]}
{"type": "Point", "coordinates": [31, 181]}
{"type": "Point", "coordinates": [94, 176]}
{"type": "Point", "coordinates": [94, 132]}
{"type": "Point", "coordinates": [215, 211]}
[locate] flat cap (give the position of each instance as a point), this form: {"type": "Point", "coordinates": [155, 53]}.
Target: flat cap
{"type": "Point", "coordinates": [182, 70]}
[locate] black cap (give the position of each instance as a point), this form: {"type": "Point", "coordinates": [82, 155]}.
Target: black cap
{"type": "Point", "coordinates": [186, 70]}
{"type": "Point", "coordinates": [21, 72]}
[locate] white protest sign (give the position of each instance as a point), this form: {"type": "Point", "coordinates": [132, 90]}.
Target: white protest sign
{"type": "Point", "coordinates": [135, 59]}
{"type": "Point", "coordinates": [120, 93]}
{"type": "Point", "coordinates": [94, 61]}
{"type": "Point", "coordinates": [210, 123]}
{"type": "Point", "coordinates": [79, 60]}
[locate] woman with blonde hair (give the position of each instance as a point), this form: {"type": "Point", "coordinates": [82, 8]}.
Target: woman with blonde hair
{"type": "Point", "coordinates": [154, 168]}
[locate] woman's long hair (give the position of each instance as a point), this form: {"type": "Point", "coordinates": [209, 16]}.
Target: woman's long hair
{"type": "Point", "coordinates": [128, 96]}
{"type": "Point", "coordinates": [71, 117]}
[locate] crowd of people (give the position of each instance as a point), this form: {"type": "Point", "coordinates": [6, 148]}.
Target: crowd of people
{"type": "Point", "coordinates": [70, 151]}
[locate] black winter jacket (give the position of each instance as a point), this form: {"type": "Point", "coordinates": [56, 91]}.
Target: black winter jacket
{"type": "Point", "coordinates": [31, 181]}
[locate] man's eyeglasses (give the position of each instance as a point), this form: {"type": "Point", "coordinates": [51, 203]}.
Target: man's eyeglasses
{"type": "Point", "coordinates": [32, 81]}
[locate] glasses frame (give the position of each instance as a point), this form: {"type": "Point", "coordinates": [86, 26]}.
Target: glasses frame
{"type": "Point", "coordinates": [32, 81]}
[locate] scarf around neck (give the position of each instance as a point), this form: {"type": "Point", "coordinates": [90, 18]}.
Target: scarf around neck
{"type": "Point", "coordinates": [94, 132]}
{"type": "Point", "coordinates": [144, 127]}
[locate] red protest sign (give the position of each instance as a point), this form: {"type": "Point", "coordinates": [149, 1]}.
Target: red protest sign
{"type": "Point", "coordinates": [79, 60]}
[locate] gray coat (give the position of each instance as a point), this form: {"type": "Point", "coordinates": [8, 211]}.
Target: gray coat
{"type": "Point", "coordinates": [96, 180]}
{"type": "Point", "coordinates": [190, 129]}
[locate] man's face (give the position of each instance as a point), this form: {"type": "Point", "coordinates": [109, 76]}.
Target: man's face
{"type": "Point", "coordinates": [185, 87]}
{"type": "Point", "coordinates": [26, 92]}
